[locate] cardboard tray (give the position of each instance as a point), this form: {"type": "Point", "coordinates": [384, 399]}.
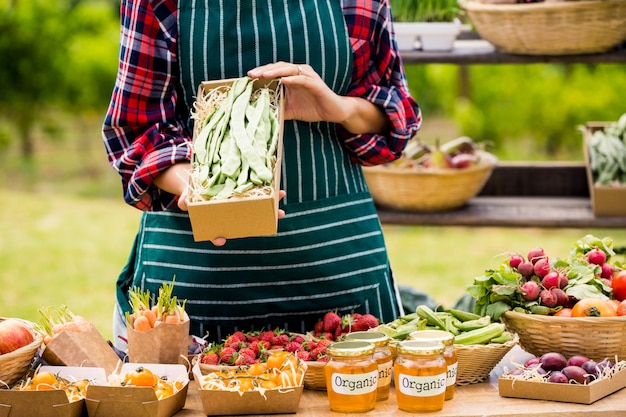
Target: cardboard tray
{"type": "Point", "coordinates": [53, 403]}
{"type": "Point", "coordinates": [228, 403]}
{"type": "Point", "coordinates": [115, 401]}
{"type": "Point", "coordinates": [238, 217]}
{"type": "Point", "coordinates": [605, 200]}
{"type": "Point", "coordinates": [570, 393]}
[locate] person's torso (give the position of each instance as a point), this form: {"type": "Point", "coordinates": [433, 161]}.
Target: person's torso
{"type": "Point", "coordinates": [222, 39]}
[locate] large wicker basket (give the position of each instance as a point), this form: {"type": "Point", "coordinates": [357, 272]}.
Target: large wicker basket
{"type": "Point", "coordinates": [595, 337]}
{"type": "Point", "coordinates": [475, 362]}
{"type": "Point", "coordinates": [551, 27]}
{"type": "Point", "coordinates": [428, 190]}
{"type": "Point", "coordinates": [15, 365]}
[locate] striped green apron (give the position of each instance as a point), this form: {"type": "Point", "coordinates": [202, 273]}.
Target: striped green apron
{"type": "Point", "coordinates": [329, 253]}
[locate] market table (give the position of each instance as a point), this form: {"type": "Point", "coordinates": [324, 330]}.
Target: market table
{"type": "Point", "coordinates": [469, 400]}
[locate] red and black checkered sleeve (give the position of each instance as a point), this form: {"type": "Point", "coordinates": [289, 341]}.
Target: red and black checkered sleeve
{"type": "Point", "coordinates": [378, 76]}
{"type": "Point", "coordinates": [141, 132]}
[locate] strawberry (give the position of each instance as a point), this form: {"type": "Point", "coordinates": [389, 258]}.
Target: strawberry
{"type": "Point", "coordinates": [209, 358]}
{"type": "Point", "coordinates": [323, 344]}
{"type": "Point", "coordinates": [319, 327]}
{"type": "Point", "coordinates": [303, 355]}
{"type": "Point", "coordinates": [228, 355]}
{"type": "Point", "coordinates": [365, 322]}
{"type": "Point", "coordinates": [246, 356]}
{"type": "Point", "coordinates": [316, 353]}
{"type": "Point", "coordinates": [293, 347]}
{"type": "Point", "coordinates": [297, 338]}
{"type": "Point", "coordinates": [331, 321]}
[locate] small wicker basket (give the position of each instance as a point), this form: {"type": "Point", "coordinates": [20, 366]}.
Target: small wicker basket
{"type": "Point", "coordinates": [551, 27]}
{"type": "Point", "coordinates": [15, 365]}
{"type": "Point", "coordinates": [428, 190]}
{"type": "Point", "coordinates": [475, 362]}
{"type": "Point", "coordinates": [595, 337]}
{"type": "Point", "coordinates": [315, 378]}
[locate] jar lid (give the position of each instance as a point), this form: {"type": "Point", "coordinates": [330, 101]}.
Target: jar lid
{"type": "Point", "coordinates": [442, 336]}
{"type": "Point", "coordinates": [350, 349]}
{"type": "Point", "coordinates": [375, 338]}
{"type": "Point", "coordinates": [420, 347]}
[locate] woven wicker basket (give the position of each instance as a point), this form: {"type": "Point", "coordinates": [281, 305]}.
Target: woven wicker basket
{"type": "Point", "coordinates": [16, 364]}
{"type": "Point", "coordinates": [315, 378]}
{"type": "Point", "coordinates": [550, 28]}
{"type": "Point", "coordinates": [595, 337]}
{"type": "Point", "coordinates": [475, 362]}
{"type": "Point", "coordinates": [429, 189]}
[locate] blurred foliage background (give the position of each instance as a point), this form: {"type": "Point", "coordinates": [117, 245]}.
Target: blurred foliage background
{"type": "Point", "coordinates": [66, 231]}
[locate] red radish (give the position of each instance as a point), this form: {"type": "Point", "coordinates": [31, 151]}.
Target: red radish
{"type": "Point", "coordinates": [596, 256]}
{"type": "Point", "coordinates": [542, 267]}
{"type": "Point", "coordinates": [550, 280]}
{"type": "Point", "coordinates": [515, 260]}
{"type": "Point", "coordinates": [561, 298]}
{"type": "Point", "coordinates": [607, 270]}
{"type": "Point", "coordinates": [563, 280]}
{"type": "Point", "coordinates": [530, 290]}
{"type": "Point", "coordinates": [535, 254]}
{"type": "Point", "coordinates": [525, 268]}
{"type": "Point", "coordinates": [13, 335]}
{"type": "Point", "coordinates": [548, 299]}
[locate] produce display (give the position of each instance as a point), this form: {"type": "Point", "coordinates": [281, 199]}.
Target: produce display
{"type": "Point", "coordinates": [607, 154]}
{"type": "Point", "coordinates": [468, 328]}
{"type": "Point", "coordinates": [458, 153]}
{"type": "Point", "coordinates": [45, 380]}
{"type": "Point", "coordinates": [556, 368]}
{"type": "Point", "coordinates": [586, 283]}
{"type": "Point", "coordinates": [14, 334]}
{"type": "Point", "coordinates": [279, 370]}
{"type": "Point", "coordinates": [148, 313]}
{"type": "Point", "coordinates": [234, 152]}
{"type": "Point", "coordinates": [144, 377]}
{"type": "Point", "coordinates": [54, 321]}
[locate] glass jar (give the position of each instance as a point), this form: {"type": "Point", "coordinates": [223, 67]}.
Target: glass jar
{"type": "Point", "coordinates": [351, 376]}
{"type": "Point", "coordinates": [420, 375]}
{"type": "Point", "coordinates": [449, 354]}
{"type": "Point", "coordinates": [382, 356]}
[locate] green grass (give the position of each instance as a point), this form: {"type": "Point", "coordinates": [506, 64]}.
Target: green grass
{"type": "Point", "coordinates": [66, 234]}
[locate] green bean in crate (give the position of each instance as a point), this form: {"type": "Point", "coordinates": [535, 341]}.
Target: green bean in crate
{"type": "Point", "coordinates": [234, 152]}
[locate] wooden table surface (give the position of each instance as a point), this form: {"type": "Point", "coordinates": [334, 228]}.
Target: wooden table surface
{"type": "Point", "coordinates": [469, 400]}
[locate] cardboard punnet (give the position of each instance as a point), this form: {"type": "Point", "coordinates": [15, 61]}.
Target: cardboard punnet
{"type": "Point", "coordinates": [570, 393]}
{"type": "Point", "coordinates": [52, 403]}
{"type": "Point", "coordinates": [605, 200]}
{"type": "Point", "coordinates": [117, 401]}
{"type": "Point", "coordinates": [227, 403]}
{"type": "Point", "coordinates": [86, 349]}
{"type": "Point", "coordinates": [239, 216]}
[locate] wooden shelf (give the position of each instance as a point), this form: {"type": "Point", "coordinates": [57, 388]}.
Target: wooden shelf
{"type": "Point", "coordinates": [537, 194]}
{"type": "Point", "coordinates": [479, 51]}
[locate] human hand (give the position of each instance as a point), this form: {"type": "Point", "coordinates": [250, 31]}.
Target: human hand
{"type": "Point", "coordinates": [307, 97]}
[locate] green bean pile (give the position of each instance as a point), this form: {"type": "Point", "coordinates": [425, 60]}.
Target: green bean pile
{"type": "Point", "coordinates": [234, 152]}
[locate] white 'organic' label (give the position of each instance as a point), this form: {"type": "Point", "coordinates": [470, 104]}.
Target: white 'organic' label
{"type": "Point", "coordinates": [385, 372]}
{"type": "Point", "coordinates": [422, 386]}
{"type": "Point", "coordinates": [354, 384]}
{"type": "Point", "coordinates": [451, 378]}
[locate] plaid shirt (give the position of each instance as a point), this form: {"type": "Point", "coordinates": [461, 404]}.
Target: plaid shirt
{"type": "Point", "coordinates": [144, 130]}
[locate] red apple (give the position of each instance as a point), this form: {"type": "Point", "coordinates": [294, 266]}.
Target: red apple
{"type": "Point", "coordinates": [13, 335]}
